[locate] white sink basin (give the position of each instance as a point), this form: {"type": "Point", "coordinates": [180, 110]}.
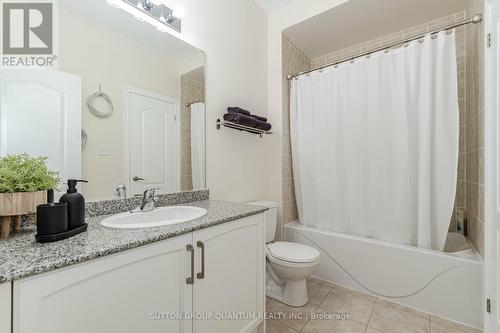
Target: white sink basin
{"type": "Point", "coordinates": [156, 218]}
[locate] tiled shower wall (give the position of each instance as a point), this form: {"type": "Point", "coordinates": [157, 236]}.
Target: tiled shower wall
{"type": "Point", "coordinates": [191, 91]}
{"type": "Point", "coordinates": [294, 60]}
{"type": "Point", "coordinates": [475, 128]}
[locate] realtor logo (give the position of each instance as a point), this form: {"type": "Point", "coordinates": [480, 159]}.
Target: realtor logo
{"type": "Point", "coordinates": [28, 33]}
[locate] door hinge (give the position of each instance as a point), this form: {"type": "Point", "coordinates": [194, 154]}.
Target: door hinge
{"type": "Point", "coordinates": [488, 39]}
{"type": "Point", "coordinates": [175, 117]}
{"type": "Point", "coordinates": [488, 305]}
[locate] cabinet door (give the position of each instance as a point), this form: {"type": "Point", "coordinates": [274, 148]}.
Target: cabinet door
{"type": "Point", "coordinates": [5, 306]}
{"type": "Point", "coordinates": [234, 276]}
{"type": "Point", "coordinates": [125, 293]}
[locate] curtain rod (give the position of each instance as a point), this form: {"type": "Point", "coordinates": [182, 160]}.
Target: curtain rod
{"type": "Point", "coordinates": [191, 103]}
{"type": "Point", "coordinates": [474, 19]}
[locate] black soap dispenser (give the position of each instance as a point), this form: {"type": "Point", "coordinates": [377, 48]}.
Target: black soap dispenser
{"type": "Point", "coordinates": [76, 204]}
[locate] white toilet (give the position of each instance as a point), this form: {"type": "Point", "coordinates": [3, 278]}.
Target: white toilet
{"type": "Point", "coordinates": [288, 264]}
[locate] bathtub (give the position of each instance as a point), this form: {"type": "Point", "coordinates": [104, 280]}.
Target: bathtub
{"type": "Point", "coordinates": [446, 284]}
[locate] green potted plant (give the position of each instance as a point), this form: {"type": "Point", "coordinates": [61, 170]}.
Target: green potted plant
{"type": "Point", "coordinates": [24, 182]}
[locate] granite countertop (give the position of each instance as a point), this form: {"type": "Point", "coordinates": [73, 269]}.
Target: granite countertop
{"type": "Point", "coordinates": [21, 256]}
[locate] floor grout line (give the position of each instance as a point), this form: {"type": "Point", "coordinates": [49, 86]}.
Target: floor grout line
{"type": "Point", "coordinates": [371, 312]}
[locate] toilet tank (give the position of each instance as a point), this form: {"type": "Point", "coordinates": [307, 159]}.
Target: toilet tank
{"type": "Point", "coordinates": [271, 217]}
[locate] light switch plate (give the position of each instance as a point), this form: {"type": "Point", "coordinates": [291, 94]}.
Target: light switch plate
{"type": "Point", "coordinates": [104, 150]}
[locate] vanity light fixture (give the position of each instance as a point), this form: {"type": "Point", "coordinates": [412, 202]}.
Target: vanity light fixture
{"type": "Point", "coordinates": [162, 14]}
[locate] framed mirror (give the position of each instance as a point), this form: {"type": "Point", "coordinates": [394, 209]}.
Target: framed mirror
{"type": "Point", "coordinates": [123, 109]}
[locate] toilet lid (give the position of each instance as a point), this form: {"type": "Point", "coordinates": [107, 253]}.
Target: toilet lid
{"type": "Point", "coordinates": [293, 252]}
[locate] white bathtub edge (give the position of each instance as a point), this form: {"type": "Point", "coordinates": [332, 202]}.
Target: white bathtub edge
{"type": "Point", "coordinates": [453, 291]}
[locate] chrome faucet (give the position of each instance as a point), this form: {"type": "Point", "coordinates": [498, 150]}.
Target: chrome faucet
{"type": "Point", "coordinates": [148, 201]}
{"type": "Point", "coordinates": [121, 191]}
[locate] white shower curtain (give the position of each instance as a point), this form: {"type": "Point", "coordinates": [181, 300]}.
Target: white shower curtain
{"type": "Point", "coordinates": [375, 144]}
{"type": "Point", "coordinates": [198, 145]}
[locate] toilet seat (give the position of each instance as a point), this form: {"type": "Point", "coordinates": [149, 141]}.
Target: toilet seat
{"type": "Point", "coordinates": [292, 252]}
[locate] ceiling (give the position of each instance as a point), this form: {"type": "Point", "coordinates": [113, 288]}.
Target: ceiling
{"type": "Point", "coordinates": [271, 5]}
{"type": "Point", "coordinates": [358, 21]}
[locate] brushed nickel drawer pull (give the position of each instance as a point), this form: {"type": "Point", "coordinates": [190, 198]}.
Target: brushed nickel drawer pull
{"type": "Point", "coordinates": [190, 280]}
{"type": "Point", "coordinates": [201, 275]}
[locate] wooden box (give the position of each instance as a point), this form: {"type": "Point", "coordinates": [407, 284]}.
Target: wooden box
{"type": "Point", "coordinates": [17, 204]}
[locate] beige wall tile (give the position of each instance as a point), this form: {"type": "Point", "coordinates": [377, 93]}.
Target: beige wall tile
{"type": "Point", "coordinates": [475, 232]}
{"type": "Point", "coordinates": [288, 189]}
{"type": "Point", "coordinates": [472, 199]}
{"type": "Point", "coordinates": [415, 31]}
{"type": "Point", "coordinates": [461, 194]}
{"type": "Point", "coordinates": [461, 166]}
{"type": "Point", "coordinates": [475, 166]}
{"type": "Point", "coordinates": [294, 60]}
{"type": "Point", "coordinates": [474, 105]}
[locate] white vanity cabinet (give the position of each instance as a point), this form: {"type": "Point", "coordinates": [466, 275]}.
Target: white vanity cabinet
{"type": "Point", "coordinates": [112, 294]}
{"type": "Point", "coordinates": [149, 289]}
{"type": "Point", "coordinates": [5, 306]}
{"type": "Point", "coordinates": [232, 280]}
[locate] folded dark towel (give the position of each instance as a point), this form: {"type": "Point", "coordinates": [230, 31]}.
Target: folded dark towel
{"type": "Point", "coordinates": [241, 119]}
{"type": "Point", "coordinates": [262, 125]}
{"type": "Point", "coordinates": [236, 109]}
{"type": "Point", "coordinates": [264, 119]}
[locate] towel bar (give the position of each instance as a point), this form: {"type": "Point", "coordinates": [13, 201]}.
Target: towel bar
{"type": "Point", "coordinates": [241, 127]}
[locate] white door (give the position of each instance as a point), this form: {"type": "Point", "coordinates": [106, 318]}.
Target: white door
{"type": "Point", "coordinates": [233, 278]}
{"type": "Point", "coordinates": [153, 142]}
{"type": "Point", "coordinates": [492, 165]}
{"type": "Point", "coordinates": [129, 292]}
{"type": "Point", "coordinates": [40, 114]}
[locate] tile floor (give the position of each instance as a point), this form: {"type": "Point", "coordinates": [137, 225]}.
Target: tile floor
{"type": "Point", "coordinates": [368, 314]}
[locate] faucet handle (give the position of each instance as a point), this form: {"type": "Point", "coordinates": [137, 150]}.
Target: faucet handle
{"type": "Point", "coordinates": [121, 191]}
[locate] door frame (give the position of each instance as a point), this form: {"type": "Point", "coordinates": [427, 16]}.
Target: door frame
{"type": "Point", "coordinates": [492, 170]}
{"type": "Point", "coordinates": [126, 132]}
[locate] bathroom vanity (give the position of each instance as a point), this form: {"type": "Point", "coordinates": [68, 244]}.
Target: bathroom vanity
{"type": "Point", "coordinates": [167, 279]}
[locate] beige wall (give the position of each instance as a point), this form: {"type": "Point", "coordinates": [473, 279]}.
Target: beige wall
{"type": "Point", "coordinates": [102, 56]}
{"type": "Point", "coordinates": [191, 91]}
{"type": "Point", "coordinates": [474, 197]}
{"type": "Point", "coordinates": [294, 60]}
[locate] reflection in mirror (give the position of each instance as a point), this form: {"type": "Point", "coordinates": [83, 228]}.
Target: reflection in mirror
{"type": "Point", "coordinates": [137, 93]}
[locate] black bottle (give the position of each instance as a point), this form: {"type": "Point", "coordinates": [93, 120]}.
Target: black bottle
{"type": "Point", "coordinates": [76, 204]}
